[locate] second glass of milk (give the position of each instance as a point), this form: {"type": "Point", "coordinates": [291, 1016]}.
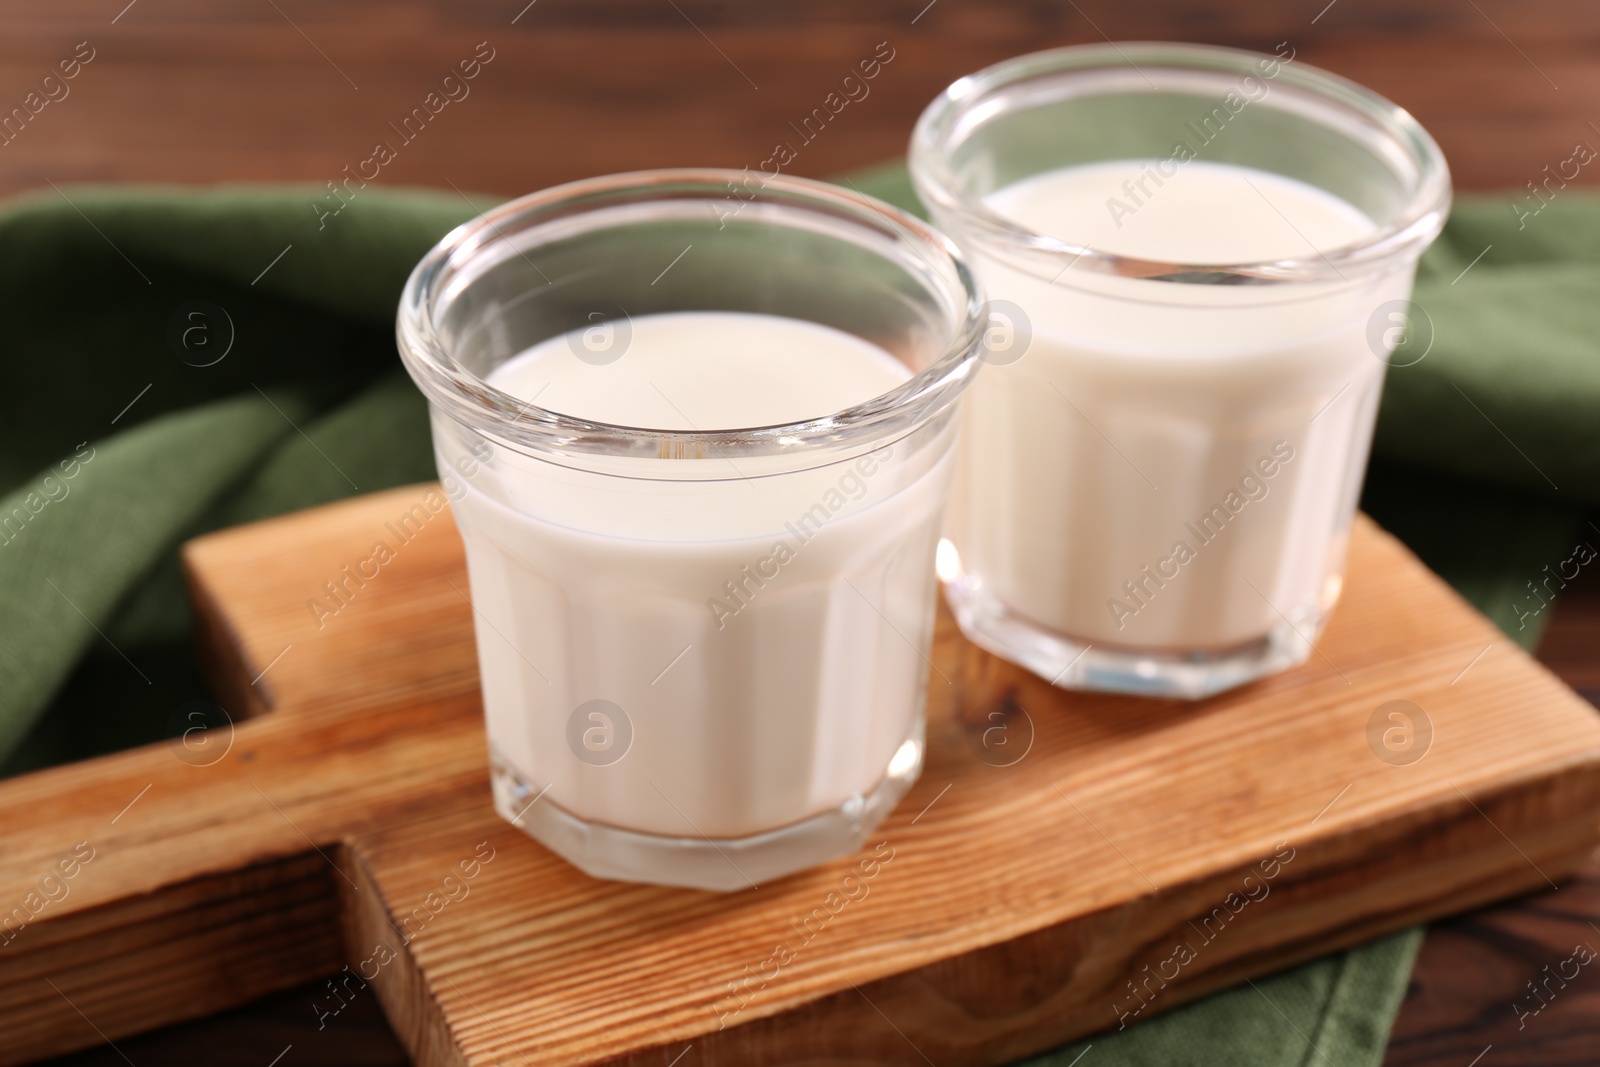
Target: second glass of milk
{"type": "Point", "coordinates": [700, 431]}
{"type": "Point", "coordinates": [1200, 262]}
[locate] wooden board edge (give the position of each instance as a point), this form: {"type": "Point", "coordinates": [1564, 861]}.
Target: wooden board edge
{"type": "Point", "coordinates": [378, 942]}
{"type": "Point", "coordinates": [223, 661]}
{"type": "Point", "coordinates": [877, 1023]}
{"type": "Point", "coordinates": [183, 952]}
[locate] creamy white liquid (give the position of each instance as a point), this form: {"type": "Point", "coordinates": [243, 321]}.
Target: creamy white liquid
{"type": "Point", "coordinates": [1140, 407]}
{"type": "Point", "coordinates": [703, 370]}
{"type": "Point", "coordinates": [797, 693]}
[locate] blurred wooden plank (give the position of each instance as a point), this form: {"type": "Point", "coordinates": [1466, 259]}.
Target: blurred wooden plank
{"type": "Point", "coordinates": [203, 91]}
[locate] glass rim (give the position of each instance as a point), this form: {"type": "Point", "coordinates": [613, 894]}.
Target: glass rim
{"type": "Point", "coordinates": [1401, 239]}
{"type": "Point", "coordinates": [470, 400]}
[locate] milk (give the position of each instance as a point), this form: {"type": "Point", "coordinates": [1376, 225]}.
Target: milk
{"type": "Point", "coordinates": [1169, 466]}
{"type": "Point", "coordinates": [762, 634]}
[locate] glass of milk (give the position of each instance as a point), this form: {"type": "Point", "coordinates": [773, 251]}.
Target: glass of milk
{"type": "Point", "coordinates": [1200, 262]}
{"type": "Point", "coordinates": [697, 430]}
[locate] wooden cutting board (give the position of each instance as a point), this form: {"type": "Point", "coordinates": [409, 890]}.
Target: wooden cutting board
{"type": "Point", "coordinates": [1068, 861]}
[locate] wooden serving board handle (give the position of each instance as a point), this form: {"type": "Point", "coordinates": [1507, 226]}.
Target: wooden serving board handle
{"type": "Point", "coordinates": [1138, 854]}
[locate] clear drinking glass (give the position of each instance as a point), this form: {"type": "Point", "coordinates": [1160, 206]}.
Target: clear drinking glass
{"type": "Point", "coordinates": [703, 653]}
{"type": "Point", "coordinates": [1162, 459]}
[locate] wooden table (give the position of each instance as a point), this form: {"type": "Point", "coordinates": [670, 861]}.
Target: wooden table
{"type": "Point", "coordinates": [196, 91]}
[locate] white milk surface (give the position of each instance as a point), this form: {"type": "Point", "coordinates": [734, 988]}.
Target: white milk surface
{"type": "Point", "coordinates": [763, 634]}
{"type": "Point", "coordinates": [1170, 466]}
{"type": "Point", "coordinates": [707, 370]}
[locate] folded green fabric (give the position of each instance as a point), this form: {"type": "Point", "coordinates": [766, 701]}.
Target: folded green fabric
{"type": "Point", "coordinates": [131, 425]}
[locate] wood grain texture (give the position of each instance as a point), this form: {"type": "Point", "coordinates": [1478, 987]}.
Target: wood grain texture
{"type": "Point", "coordinates": [1475, 992]}
{"type": "Point", "coordinates": [1010, 907]}
{"type": "Point", "coordinates": [1470, 988]}
{"type": "Point", "coordinates": [278, 1024]}
{"type": "Point", "coordinates": [199, 91]}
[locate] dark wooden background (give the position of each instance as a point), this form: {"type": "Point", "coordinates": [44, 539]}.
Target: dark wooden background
{"type": "Point", "coordinates": [198, 91]}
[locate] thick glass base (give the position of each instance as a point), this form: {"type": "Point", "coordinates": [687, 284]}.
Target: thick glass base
{"type": "Point", "coordinates": [724, 864]}
{"type": "Point", "coordinates": [1073, 664]}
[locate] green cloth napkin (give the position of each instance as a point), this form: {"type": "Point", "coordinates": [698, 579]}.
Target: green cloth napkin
{"type": "Point", "coordinates": [119, 446]}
